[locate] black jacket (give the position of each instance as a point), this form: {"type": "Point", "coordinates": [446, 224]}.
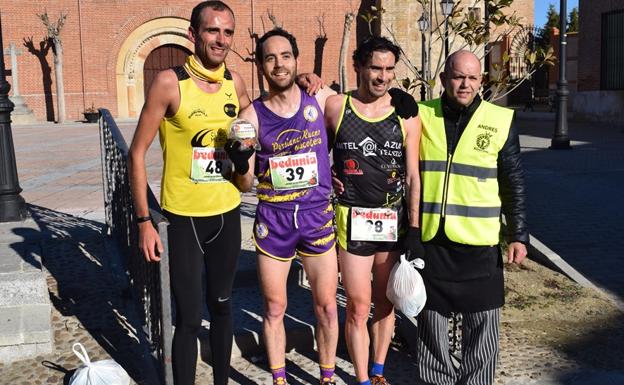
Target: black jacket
{"type": "Point", "coordinates": [510, 172]}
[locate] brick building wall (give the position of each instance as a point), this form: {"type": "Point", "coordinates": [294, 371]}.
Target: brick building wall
{"type": "Point", "coordinates": [97, 47]}
{"type": "Point", "coordinates": [592, 102]}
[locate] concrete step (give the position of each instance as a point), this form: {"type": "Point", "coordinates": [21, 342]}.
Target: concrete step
{"type": "Point", "coordinates": [25, 309]}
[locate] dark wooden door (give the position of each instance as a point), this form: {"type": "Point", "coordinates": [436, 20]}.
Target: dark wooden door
{"type": "Point", "coordinates": [163, 57]}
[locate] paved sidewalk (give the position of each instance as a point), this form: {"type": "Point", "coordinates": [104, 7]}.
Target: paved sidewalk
{"type": "Point", "coordinates": [573, 208]}
{"type": "Point", "coordinates": [575, 204]}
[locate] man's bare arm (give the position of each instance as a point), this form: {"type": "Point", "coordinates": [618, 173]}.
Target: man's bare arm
{"type": "Point", "coordinates": [241, 90]}
{"type": "Point", "coordinates": [245, 182]}
{"type": "Point", "coordinates": [412, 152]}
{"type": "Point", "coordinates": [322, 95]}
{"type": "Point", "coordinates": [332, 110]}
{"type": "Point", "coordinates": [159, 100]}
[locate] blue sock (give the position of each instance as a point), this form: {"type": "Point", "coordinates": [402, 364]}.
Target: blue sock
{"type": "Point", "coordinates": [377, 369]}
{"type": "Point", "coordinates": [367, 382]}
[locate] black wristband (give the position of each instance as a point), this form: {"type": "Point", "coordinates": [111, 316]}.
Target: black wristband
{"type": "Point", "coordinates": [143, 219]}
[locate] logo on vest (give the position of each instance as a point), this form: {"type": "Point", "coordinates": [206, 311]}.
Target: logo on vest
{"type": "Point", "coordinates": [483, 141]}
{"type": "Point", "coordinates": [369, 147]}
{"type": "Point", "coordinates": [215, 138]}
{"type": "Point", "coordinates": [197, 112]}
{"type": "Point", "coordinates": [230, 110]}
{"type": "Point", "coordinates": [351, 167]}
{"type": "Point", "coordinates": [310, 113]}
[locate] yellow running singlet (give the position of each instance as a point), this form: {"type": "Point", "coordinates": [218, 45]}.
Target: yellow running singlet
{"type": "Point", "coordinates": [196, 169]}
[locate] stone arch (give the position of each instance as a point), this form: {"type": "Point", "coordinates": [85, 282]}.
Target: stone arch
{"type": "Point", "coordinates": [132, 54]}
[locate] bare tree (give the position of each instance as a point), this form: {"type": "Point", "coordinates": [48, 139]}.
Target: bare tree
{"type": "Point", "coordinates": [273, 18]}
{"type": "Point", "coordinates": [54, 34]}
{"type": "Point", "coordinates": [466, 31]}
{"type": "Point", "coordinates": [344, 46]}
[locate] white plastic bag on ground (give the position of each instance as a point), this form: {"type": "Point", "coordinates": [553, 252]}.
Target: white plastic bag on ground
{"type": "Point", "coordinates": [406, 289]}
{"type": "Point", "coordinates": [104, 372]}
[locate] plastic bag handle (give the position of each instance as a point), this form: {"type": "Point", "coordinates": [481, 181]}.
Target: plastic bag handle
{"type": "Point", "coordinates": [418, 263]}
{"type": "Point", "coordinates": [84, 357]}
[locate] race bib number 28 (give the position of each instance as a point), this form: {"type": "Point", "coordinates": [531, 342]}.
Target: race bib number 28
{"type": "Point", "coordinates": [209, 164]}
{"type": "Point", "coordinates": [377, 224]}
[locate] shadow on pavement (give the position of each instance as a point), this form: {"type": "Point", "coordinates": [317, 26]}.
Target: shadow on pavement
{"type": "Point", "coordinates": [84, 287]}
{"type": "Point", "coordinates": [573, 199]}
{"type": "Point", "coordinates": [598, 352]}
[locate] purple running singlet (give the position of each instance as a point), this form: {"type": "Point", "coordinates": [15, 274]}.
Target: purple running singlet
{"type": "Point", "coordinates": [294, 214]}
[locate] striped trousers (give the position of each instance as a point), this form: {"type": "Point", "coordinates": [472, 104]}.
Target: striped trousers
{"type": "Point", "coordinates": [480, 333]}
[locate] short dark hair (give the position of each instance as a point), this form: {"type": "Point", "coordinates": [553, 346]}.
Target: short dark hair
{"type": "Point", "coordinates": [212, 4]}
{"type": "Point", "coordinates": [364, 51]}
{"type": "Point", "coordinates": [275, 32]}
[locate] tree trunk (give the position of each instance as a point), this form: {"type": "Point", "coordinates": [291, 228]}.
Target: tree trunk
{"type": "Point", "coordinates": [60, 87]}
{"type": "Point", "coordinates": [344, 46]}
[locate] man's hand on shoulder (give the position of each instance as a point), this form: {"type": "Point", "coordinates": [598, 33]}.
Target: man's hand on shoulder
{"type": "Point", "coordinates": [311, 82]}
{"type": "Point", "coordinates": [404, 104]}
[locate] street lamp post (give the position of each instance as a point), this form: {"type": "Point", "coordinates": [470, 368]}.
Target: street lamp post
{"type": "Point", "coordinates": [423, 26]}
{"type": "Point", "coordinates": [560, 139]}
{"type": "Point", "coordinates": [12, 205]}
{"type": "Point", "coordinates": [447, 9]}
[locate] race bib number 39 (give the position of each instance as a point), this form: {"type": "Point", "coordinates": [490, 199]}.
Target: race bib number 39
{"type": "Point", "coordinates": [294, 172]}
{"type": "Point", "coordinates": [378, 224]}
{"type": "Point", "coordinates": [209, 164]}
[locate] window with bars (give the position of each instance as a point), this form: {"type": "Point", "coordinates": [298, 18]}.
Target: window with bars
{"type": "Point", "coordinates": [612, 53]}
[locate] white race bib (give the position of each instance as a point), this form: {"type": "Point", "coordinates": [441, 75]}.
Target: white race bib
{"type": "Point", "coordinates": [209, 164]}
{"type": "Point", "coordinates": [378, 224]}
{"type": "Point", "coordinates": [293, 172]}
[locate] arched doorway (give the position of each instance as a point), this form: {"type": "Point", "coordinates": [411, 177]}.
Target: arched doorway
{"type": "Point", "coordinates": [163, 57]}
{"type": "Point", "coordinates": [137, 46]}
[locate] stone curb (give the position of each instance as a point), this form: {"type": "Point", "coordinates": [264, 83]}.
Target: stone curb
{"type": "Point", "coordinates": [542, 254]}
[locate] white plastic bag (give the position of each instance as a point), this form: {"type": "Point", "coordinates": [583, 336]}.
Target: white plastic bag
{"type": "Point", "coordinates": [406, 289]}
{"type": "Point", "coordinates": [105, 372]}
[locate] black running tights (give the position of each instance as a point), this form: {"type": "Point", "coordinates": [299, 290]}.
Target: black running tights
{"type": "Point", "coordinates": [196, 244]}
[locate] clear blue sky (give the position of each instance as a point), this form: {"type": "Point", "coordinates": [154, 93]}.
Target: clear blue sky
{"type": "Point", "coordinates": [541, 7]}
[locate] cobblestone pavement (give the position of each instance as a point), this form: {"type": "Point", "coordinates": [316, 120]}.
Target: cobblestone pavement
{"type": "Point", "coordinates": [91, 306]}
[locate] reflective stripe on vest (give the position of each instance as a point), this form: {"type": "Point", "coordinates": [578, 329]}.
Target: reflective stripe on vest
{"type": "Point", "coordinates": [462, 187]}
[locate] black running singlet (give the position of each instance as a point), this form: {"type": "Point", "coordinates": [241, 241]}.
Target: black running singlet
{"type": "Point", "coordinates": [369, 158]}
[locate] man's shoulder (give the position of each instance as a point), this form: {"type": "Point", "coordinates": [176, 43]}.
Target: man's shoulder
{"type": "Point", "coordinates": [164, 88]}
{"type": "Point", "coordinates": [167, 78]}
{"type": "Point", "coordinates": [337, 98]}
{"type": "Point", "coordinates": [497, 107]}
{"type": "Point", "coordinates": [232, 75]}
{"type": "Point", "coordinates": [248, 112]}
{"type": "Point", "coordinates": [430, 102]}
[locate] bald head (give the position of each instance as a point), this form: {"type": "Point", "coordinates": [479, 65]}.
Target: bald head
{"type": "Point", "coordinates": [461, 56]}
{"type": "Point", "coordinates": [461, 77]}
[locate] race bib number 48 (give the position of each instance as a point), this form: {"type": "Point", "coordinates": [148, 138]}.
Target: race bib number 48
{"type": "Point", "coordinates": [209, 164]}
{"type": "Point", "coordinates": [294, 172]}
{"type": "Point", "coordinates": [378, 224]}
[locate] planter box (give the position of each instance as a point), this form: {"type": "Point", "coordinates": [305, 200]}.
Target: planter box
{"type": "Point", "coordinates": [91, 117]}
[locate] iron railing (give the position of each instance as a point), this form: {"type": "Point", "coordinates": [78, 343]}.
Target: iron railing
{"type": "Point", "coordinates": [149, 281]}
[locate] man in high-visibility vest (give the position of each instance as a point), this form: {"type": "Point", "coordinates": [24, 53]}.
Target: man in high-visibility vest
{"type": "Point", "coordinates": [471, 173]}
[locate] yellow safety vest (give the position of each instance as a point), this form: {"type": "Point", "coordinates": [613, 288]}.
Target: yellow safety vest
{"type": "Point", "coordinates": [462, 187]}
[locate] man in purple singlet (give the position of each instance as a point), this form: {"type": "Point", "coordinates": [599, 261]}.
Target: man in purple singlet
{"type": "Point", "coordinates": [294, 215]}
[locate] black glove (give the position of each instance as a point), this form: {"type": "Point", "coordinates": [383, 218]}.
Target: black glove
{"type": "Point", "coordinates": [239, 156]}
{"type": "Point", "coordinates": [404, 103]}
{"type": "Point", "coordinates": [413, 244]}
